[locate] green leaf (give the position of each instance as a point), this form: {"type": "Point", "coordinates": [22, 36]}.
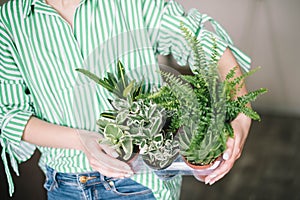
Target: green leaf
{"type": "Point", "coordinates": [135, 107]}
{"type": "Point", "coordinates": [158, 138]}
{"type": "Point", "coordinates": [251, 113]}
{"type": "Point", "coordinates": [111, 78]}
{"type": "Point", "coordinates": [89, 74]}
{"type": "Point", "coordinates": [143, 144]}
{"type": "Point", "coordinates": [121, 73]}
{"type": "Point", "coordinates": [122, 116]}
{"type": "Point", "coordinates": [113, 131]}
{"type": "Point", "coordinates": [128, 89]}
{"type": "Point", "coordinates": [102, 123]}
{"type": "Point", "coordinates": [128, 148]}
{"type": "Point", "coordinates": [157, 123]}
{"type": "Point", "coordinates": [138, 89]}
{"type": "Point", "coordinates": [104, 83]}
{"type": "Point", "coordinates": [229, 129]}
{"type": "Point", "coordinates": [108, 115]}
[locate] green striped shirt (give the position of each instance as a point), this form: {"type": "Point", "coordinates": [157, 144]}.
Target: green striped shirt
{"type": "Point", "coordinates": [40, 52]}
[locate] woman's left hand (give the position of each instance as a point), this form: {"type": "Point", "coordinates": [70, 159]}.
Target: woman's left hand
{"type": "Point", "coordinates": [241, 125]}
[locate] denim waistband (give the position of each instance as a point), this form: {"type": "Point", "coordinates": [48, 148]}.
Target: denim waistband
{"type": "Point", "coordinates": [87, 178]}
{"type": "Point", "coordinates": [90, 185]}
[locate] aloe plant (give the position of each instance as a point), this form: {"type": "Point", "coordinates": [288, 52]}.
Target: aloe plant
{"type": "Point", "coordinates": [118, 84]}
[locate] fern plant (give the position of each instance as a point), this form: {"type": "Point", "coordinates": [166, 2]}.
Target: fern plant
{"type": "Point", "coordinates": [204, 105]}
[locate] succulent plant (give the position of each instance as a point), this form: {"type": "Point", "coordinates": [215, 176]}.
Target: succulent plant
{"type": "Point", "coordinates": [159, 153]}
{"type": "Point", "coordinates": [117, 137]}
{"type": "Point", "coordinates": [118, 84]}
{"type": "Point", "coordinates": [135, 120]}
{"type": "Point", "coordinates": [146, 121]}
{"type": "Point", "coordinates": [113, 124]}
{"type": "Point", "coordinates": [157, 146]}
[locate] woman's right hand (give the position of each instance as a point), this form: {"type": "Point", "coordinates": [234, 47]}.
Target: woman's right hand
{"type": "Point", "coordinates": [102, 158]}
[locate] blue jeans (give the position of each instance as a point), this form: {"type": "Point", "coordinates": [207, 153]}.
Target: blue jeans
{"type": "Point", "coordinates": [92, 186]}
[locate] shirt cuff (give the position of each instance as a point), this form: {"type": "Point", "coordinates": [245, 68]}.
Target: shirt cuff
{"type": "Point", "coordinates": [13, 125]}
{"type": "Point", "coordinates": [10, 138]}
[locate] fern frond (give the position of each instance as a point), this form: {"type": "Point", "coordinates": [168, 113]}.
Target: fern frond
{"type": "Point", "coordinates": [251, 96]}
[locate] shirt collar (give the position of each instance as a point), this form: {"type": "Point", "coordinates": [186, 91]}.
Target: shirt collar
{"type": "Point", "coordinates": [27, 7]}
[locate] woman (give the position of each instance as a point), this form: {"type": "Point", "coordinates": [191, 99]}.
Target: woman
{"type": "Point", "coordinates": [45, 103]}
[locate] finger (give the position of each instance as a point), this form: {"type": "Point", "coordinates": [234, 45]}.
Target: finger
{"type": "Point", "coordinates": [225, 167]}
{"type": "Point", "coordinates": [107, 171]}
{"type": "Point", "coordinates": [109, 150]}
{"type": "Point", "coordinates": [106, 160]}
{"type": "Point", "coordinates": [112, 163]}
{"type": "Point", "coordinates": [107, 168]}
{"type": "Point", "coordinates": [219, 172]}
{"type": "Point", "coordinates": [229, 150]}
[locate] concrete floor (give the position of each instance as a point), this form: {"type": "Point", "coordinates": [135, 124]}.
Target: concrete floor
{"type": "Point", "coordinates": [267, 170]}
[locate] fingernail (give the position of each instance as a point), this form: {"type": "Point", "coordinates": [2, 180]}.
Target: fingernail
{"type": "Point", "coordinates": [209, 178]}
{"type": "Point", "coordinates": [211, 182]}
{"type": "Point", "coordinates": [115, 154]}
{"type": "Point", "coordinates": [225, 156]}
{"type": "Point", "coordinates": [207, 181]}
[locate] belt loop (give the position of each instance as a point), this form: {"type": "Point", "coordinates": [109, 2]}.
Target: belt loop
{"type": "Point", "coordinates": [51, 182]}
{"type": "Point", "coordinates": [54, 185]}
{"type": "Point", "coordinates": [77, 179]}
{"type": "Point", "coordinates": [105, 182]}
{"type": "Point", "coordinates": [102, 178]}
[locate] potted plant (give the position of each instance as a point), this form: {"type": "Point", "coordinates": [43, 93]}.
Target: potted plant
{"type": "Point", "coordinates": [114, 124]}
{"type": "Point", "coordinates": [204, 106]}
{"type": "Point", "coordinates": [135, 124]}
{"type": "Point", "coordinates": [157, 146]}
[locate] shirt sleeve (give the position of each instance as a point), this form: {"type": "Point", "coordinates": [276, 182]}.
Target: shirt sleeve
{"type": "Point", "coordinates": [165, 20]}
{"type": "Point", "coordinates": [15, 108]}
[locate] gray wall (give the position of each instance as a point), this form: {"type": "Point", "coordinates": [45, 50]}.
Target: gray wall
{"type": "Point", "coordinates": [268, 31]}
